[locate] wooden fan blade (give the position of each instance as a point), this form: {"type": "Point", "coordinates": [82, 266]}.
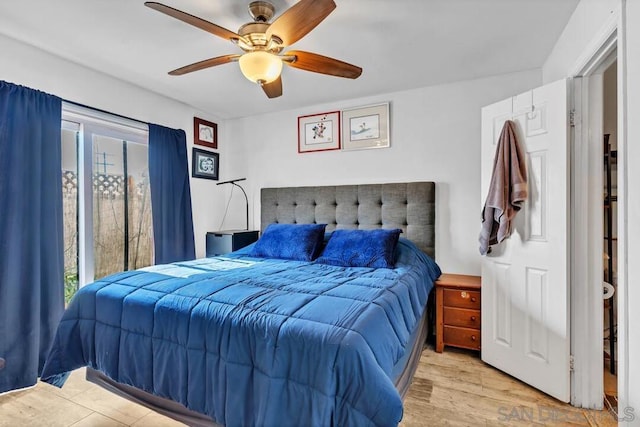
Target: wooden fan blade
{"type": "Point", "coordinates": [299, 19]}
{"type": "Point", "coordinates": [207, 63]}
{"type": "Point", "coordinates": [321, 64]}
{"type": "Point", "coordinates": [195, 21]}
{"type": "Point", "coordinates": [273, 89]}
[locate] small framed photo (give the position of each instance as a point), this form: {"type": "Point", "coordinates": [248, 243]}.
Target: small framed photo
{"type": "Point", "coordinates": [205, 133]}
{"type": "Point", "coordinates": [205, 164]}
{"type": "Point", "coordinates": [319, 132]}
{"type": "Point", "coordinates": [366, 127]}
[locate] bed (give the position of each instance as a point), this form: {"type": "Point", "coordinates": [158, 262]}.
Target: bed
{"type": "Point", "coordinates": [239, 340]}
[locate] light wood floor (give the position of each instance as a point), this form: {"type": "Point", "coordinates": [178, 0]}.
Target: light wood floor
{"type": "Point", "coordinates": [454, 388]}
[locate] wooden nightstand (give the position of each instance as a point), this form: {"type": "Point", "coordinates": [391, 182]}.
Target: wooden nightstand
{"type": "Point", "coordinates": [458, 311]}
{"type": "Point", "coordinates": [223, 242]}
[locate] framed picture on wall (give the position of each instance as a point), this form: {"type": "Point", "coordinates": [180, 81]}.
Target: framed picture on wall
{"type": "Point", "coordinates": [205, 133]}
{"type": "Point", "coordinates": [319, 132]}
{"type": "Point", "coordinates": [205, 164]}
{"type": "Point", "coordinates": [366, 127]}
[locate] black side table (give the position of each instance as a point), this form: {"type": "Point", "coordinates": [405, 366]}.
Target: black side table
{"type": "Point", "coordinates": [223, 242]}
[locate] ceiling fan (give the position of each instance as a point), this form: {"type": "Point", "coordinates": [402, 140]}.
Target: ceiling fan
{"type": "Point", "coordinates": [263, 43]}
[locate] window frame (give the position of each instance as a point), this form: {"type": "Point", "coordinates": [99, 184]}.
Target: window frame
{"type": "Point", "coordinates": [87, 122]}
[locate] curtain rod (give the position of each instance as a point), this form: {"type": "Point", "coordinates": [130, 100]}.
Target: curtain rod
{"type": "Point", "coordinates": [104, 111]}
{"type": "Point", "coordinates": [87, 106]}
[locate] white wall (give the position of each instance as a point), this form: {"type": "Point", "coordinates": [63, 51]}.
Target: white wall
{"type": "Point", "coordinates": [434, 132]}
{"type": "Point", "coordinates": [28, 66]}
{"type": "Point", "coordinates": [435, 136]}
{"type": "Point", "coordinates": [578, 37]}
{"type": "Point", "coordinates": [579, 32]}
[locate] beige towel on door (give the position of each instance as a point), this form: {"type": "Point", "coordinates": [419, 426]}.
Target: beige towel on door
{"type": "Point", "coordinates": [507, 191]}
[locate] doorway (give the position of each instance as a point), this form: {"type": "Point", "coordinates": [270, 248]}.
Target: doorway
{"type": "Point", "coordinates": [610, 235]}
{"type": "Point", "coordinates": [595, 230]}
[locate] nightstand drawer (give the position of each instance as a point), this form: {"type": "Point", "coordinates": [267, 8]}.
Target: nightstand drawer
{"type": "Point", "coordinates": [462, 298]}
{"type": "Point", "coordinates": [462, 337]}
{"type": "Point", "coordinates": [462, 317]}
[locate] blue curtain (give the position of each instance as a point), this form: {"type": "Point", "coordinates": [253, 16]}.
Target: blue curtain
{"type": "Point", "coordinates": [31, 243]}
{"type": "Point", "coordinates": [170, 195]}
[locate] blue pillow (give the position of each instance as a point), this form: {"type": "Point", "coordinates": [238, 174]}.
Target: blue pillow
{"type": "Point", "coordinates": [301, 242]}
{"type": "Point", "coordinates": [361, 248]}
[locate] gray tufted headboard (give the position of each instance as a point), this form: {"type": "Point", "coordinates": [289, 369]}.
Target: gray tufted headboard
{"type": "Point", "coordinates": [409, 206]}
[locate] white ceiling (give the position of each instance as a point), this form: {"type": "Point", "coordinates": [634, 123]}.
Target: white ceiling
{"type": "Point", "coordinates": [400, 45]}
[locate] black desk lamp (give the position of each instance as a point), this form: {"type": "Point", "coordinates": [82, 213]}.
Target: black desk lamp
{"type": "Point", "coordinates": [246, 199]}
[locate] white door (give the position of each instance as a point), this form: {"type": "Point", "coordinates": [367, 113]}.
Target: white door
{"type": "Point", "coordinates": [525, 279]}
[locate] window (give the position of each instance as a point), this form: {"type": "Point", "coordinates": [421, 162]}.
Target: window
{"type": "Point", "coordinates": [106, 196]}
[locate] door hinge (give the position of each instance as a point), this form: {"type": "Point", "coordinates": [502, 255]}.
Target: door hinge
{"type": "Point", "coordinates": [571, 363]}
{"type": "Point", "coordinates": [572, 118]}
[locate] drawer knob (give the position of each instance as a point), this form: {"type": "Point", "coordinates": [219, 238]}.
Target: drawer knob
{"type": "Point", "coordinates": [473, 318]}
{"type": "Point", "coordinates": [473, 337]}
{"type": "Point", "coordinates": [464, 295]}
{"type": "Point", "coordinates": [473, 299]}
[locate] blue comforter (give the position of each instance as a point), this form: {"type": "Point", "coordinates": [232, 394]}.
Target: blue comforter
{"type": "Point", "coordinates": [252, 341]}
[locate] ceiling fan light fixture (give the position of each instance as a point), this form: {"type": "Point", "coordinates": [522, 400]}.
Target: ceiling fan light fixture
{"type": "Point", "coordinates": [260, 67]}
{"type": "Point", "coordinates": [264, 43]}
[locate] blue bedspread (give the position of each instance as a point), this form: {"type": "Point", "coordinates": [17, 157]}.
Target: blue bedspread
{"type": "Point", "coordinates": [252, 341]}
